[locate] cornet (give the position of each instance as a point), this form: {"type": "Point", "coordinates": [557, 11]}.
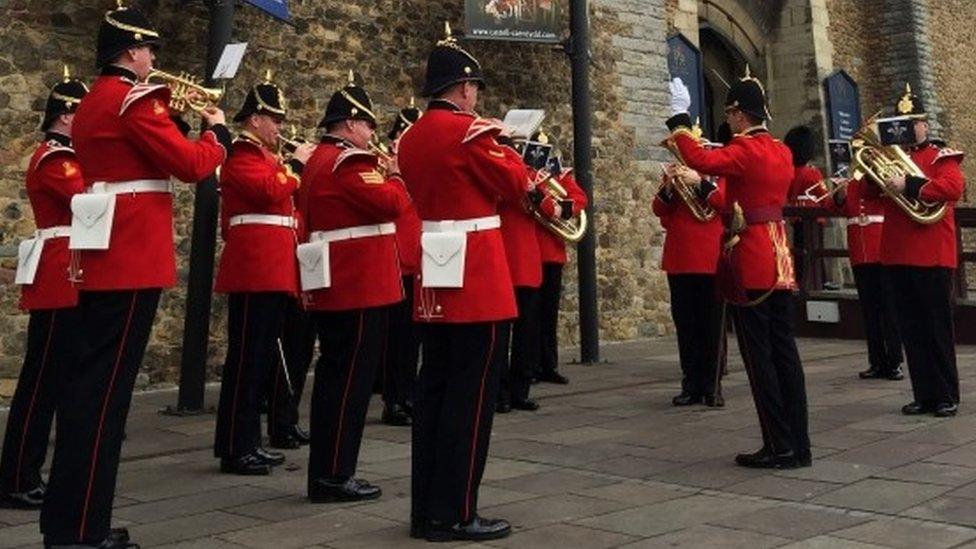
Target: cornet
{"type": "Point", "coordinates": [180, 87]}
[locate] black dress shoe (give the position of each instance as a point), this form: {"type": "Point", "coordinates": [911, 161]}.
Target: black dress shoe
{"type": "Point", "coordinates": [804, 458]}
{"type": "Point", "coordinates": [111, 542]}
{"type": "Point", "coordinates": [685, 399]}
{"type": "Point", "coordinates": [895, 374]}
{"type": "Point", "coordinates": [476, 530]}
{"type": "Point", "coordinates": [301, 434]}
{"type": "Point", "coordinates": [284, 440]}
{"type": "Point", "coordinates": [527, 405]}
{"type": "Point", "coordinates": [324, 490]}
{"type": "Point", "coordinates": [273, 459]}
{"type": "Point", "coordinates": [31, 499]}
{"type": "Point", "coordinates": [946, 409]}
{"type": "Point", "coordinates": [871, 373]}
{"type": "Point", "coordinates": [554, 377]}
{"type": "Point", "coordinates": [396, 415]}
{"type": "Point", "coordinates": [503, 407]}
{"type": "Point", "coordinates": [915, 409]}
{"type": "Point", "coordinates": [119, 535]}
{"type": "Point", "coordinates": [715, 401]}
{"type": "Point", "coordinates": [250, 464]}
{"type": "Point", "coordinates": [765, 459]}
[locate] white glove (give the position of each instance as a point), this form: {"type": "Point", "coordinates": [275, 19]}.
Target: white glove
{"type": "Point", "coordinates": [680, 97]}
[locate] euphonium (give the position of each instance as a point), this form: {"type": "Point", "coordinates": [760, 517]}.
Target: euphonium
{"type": "Point", "coordinates": [701, 210]}
{"type": "Point", "coordinates": [570, 230]}
{"type": "Point", "coordinates": [180, 87]}
{"type": "Point", "coordinates": [882, 162]}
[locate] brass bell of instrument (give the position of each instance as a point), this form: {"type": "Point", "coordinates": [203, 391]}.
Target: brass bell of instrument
{"type": "Point", "coordinates": [180, 87]}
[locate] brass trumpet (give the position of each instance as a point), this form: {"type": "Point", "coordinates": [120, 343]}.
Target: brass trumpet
{"type": "Point", "coordinates": [570, 230]}
{"type": "Point", "coordinates": [386, 156]}
{"type": "Point", "coordinates": [881, 162]}
{"type": "Point", "coordinates": [180, 87]}
{"type": "Point", "coordinates": [700, 209]}
{"type": "Point", "coordinates": [288, 145]}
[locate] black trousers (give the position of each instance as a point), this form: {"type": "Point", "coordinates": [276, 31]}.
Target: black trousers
{"type": "Point", "coordinates": [35, 399]}
{"type": "Point", "coordinates": [297, 345]}
{"type": "Point", "coordinates": [766, 341]}
{"type": "Point", "coordinates": [697, 315]}
{"type": "Point", "coordinates": [457, 389]}
{"type": "Point", "coordinates": [254, 322]}
{"type": "Point", "coordinates": [352, 345]}
{"type": "Point", "coordinates": [923, 300]}
{"type": "Point", "coordinates": [523, 362]}
{"type": "Point", "coordinates": [549, 296]}
{"type": "Point", "coordinates": [398, 370]}
{"type": "Point", "coordinates": [880, 322]}
{"type": "Point", "coordinates": [110, 335]}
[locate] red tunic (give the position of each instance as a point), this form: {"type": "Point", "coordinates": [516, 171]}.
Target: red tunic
{"type": "Point", "coordinates": [806, 178]}
{"type": "Point", "coordinates": [53, 177]}
{"type": "Point", "coordinates": [123, 132]}
{"type": "Point", "coordinates": [690, 246]}
{"type": "Point", "coordinates": [256, 257]}
{"type": "Point", "coordinates": [862, 208]}
{"type": "Point", "coordinates": [553, 248]}
{"type": "Point", "coordinates": [342, 189]}
{"type": "Point", "coordinates": [455, 169]}
{"type": "Point", "coordinates": [758, 171]}
{"type": "Point", "coordinates": [905, 242]}
{"type": "Point", "coordinates": [408, 240]}
{"type": "Point", "coordinates": [521, 245]}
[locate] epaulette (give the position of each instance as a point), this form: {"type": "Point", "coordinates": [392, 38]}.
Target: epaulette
{"type": "Point", "coordinates": [53, 148]}
{"type": "Point", "coordinates": [138, 92]}
{"type": "Point", "coordinates": [482, 126]}
{"type": "Point", "coordinates": [350, 153]}
{"type": "Point", "coordinates": [948, 152]}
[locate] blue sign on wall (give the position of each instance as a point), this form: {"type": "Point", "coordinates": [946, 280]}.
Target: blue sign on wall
{"type": "Point", "coordinates": [843, 105]}
{"type": "Point", "coordinates": [277, 8]}
{"type": "Point", "coordinates": [685, 62]}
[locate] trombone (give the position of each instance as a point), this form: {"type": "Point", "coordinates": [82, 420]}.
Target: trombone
{"type": "Point", "coordinates": [181, 85]}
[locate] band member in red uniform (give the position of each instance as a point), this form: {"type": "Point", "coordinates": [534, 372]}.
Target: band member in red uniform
{"type": "Point", "coordinates": [128, 148]}
{"type": "Point", "coordinates": [53, 177]}
{"type": "Point", "coordinates": [552, 248]}
{"type": "Point", "coordinates": [920, 259]}
{"type": "Point", "coordinates": [350, 199]}
{"type": "Point", "coordinates": [259, 272]}
{"type": "Point", "coordinates": [457, 172]}
{"type": "Point", "coordinates": [755, 267]}
{"type": "Point", "coordinates": [399, 369]}
{"type": "Point", "coordinates": [807, 189]}
{"type": "Point", "coordinates": [690, 258]}
{"type": "Point", "coordinates": [525, 267]}
{"type": "Point", "coordinates": [864, 210]}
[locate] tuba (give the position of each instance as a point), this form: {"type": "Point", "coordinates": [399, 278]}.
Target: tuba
{"type": "Point", "coordinates": [880, 162]}
{"type": "Point", "coordinates": [701, 210]}
{"type": "Point", "coordinates": [180, 87]}
{"type": "Point", "coordinates": [570, 230]}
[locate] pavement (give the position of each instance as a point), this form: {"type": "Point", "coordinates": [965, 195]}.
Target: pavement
{"type": "Point", "coordinates": [606, 462]}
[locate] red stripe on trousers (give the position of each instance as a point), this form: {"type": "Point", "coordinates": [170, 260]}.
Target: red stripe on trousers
{"type": "Point", "coordinates": [237, 384]}
{"type": "Point", "coordinates": [101, 419]}
{"type": "Point", "coordinates": [345, 396]}
{"type": "Point", "coordinates": [30, 407]}
{"type": "Point", "coordinates": [477, 426]}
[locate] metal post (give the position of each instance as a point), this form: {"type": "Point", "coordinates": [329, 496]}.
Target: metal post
{"type": "Point", "coordinates": [203, 245]}
{"type": "Point", "coordinates": [579, 52]}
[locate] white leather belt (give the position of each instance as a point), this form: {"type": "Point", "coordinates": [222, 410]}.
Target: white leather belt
{"type": "Point", "coordinates": [264, 219]}
{"type": "Point", "coordinates": [462, 225]}
{"type": "Point", "coordinates": [53, 232]}
{"type": "Point", "coordinates": [349, 233]}
{"type": "Point", "coordinates": [865, 220]}
{"type": "Point", "coordinates": [135, 186]}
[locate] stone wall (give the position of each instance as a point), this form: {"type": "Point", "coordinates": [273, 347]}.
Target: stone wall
{"type": "Point", "coordinates": [386, 42]}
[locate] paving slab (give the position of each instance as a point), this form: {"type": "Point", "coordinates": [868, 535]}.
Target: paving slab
{"type": "Point", "coordinates": [885, 496]}
{"type": "Point", "coordinates": [710, 537]}
{"type": "Point", "coordinates": [907, 534]}
{"type": "Point", "coordinates": [793, 522]}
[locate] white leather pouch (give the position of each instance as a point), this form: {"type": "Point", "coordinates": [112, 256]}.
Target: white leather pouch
{"type": "Point", "coordinates": [442, 265]}
{"type": "Point", "coordinates": [28, 258]}
{"type": "Point", "coordinates": [313, 265]}
{"type": "Point", "coordinates": [91, 221]}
